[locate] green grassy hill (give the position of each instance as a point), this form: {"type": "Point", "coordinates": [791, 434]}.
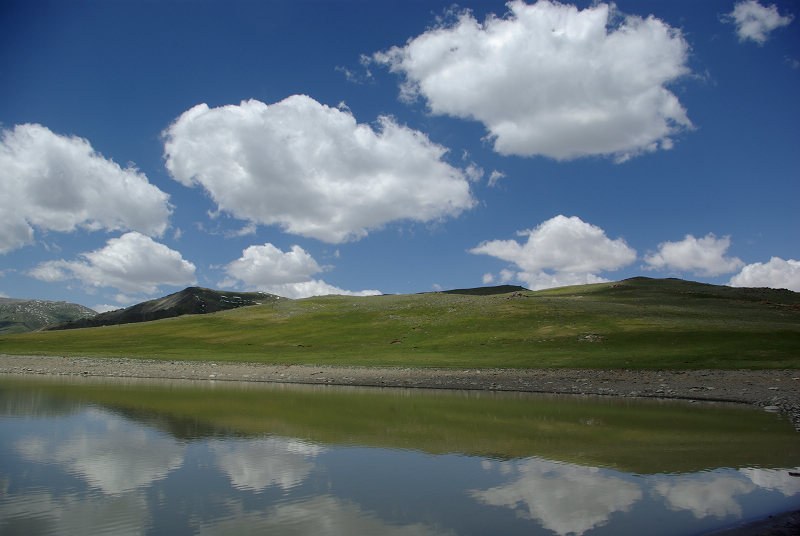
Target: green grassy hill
{"type": "Point", "coordinates": [636, 323]}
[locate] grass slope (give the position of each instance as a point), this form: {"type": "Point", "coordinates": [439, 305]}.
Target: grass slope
{"type": "Point", "coordinates": [636, 323]}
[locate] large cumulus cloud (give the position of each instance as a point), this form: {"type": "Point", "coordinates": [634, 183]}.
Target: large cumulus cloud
{"type": "Point", "coordinates": [313, 169]}
{"type": "Point", "coordinates": [59, 183]}
{"type": "Point", "coordinates": [549, 79]}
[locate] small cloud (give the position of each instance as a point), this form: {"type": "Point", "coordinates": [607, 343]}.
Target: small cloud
{"type": "Point", "coordinates": [314, 287]}
{"type": "Point", "coordinates": [473, 172]}
{"type": "Point", "coordinates": [560, 251]}
{"type": "Point", "coordinates": [495, 176]}
{"type": "Point", "coordinates": [487, 278]}
{"type": "Point", "coordinates": [104, 308]}
{"type": "Point", "coordinates": [248, 229]}
{"type": "Point", "coordinates": [266, 265]}
{"type": "Point", "coordinates": [131, 263]}
{"type": "Point", "coordinates": [777, 273]}
{"type": "Point", "coordinates": [360, 75]}
{"type": "Point", "coordinates": [288, 274]}
{"type": "Point", "coordinates": [702, 256]}
{"type": "Point", "coordinates": [506, 275]}
{"type": "Point", "coordinates": [755, 22]}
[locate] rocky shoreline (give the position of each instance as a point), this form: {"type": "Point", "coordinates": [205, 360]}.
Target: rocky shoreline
{"type": "Point", "coordinates": [774, 390]}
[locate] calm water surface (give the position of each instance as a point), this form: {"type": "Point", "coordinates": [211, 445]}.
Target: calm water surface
{"type": "Point", "coordinates": [88, 456]}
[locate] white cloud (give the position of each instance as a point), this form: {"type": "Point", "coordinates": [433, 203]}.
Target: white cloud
{"type": "Point", "coordinates": [288, 274]}
{"type": "Point", "coordinates": [540, 280]}
{"type": "Point", "coordinates": [495, 176]}
{"type": "Point", "coordinates": [474, 172]}
{"type": "Point", "coordinates": [506, 275]}
{"type": "Point", "coordinates": [573, 249]}
{"type": "Point", "coordinates": [487, 278]}
{"type": "Point", "coordinates": [313, 169]}
{"type": "Point", "coordinates": [548, 79]}
{"type": "Point", "coordinates": [777, 273]}
{"type": "Point", "coordinates": [262, 266]}
{"type": "Point", "coordinates": [702, 256]}
{"type": "Point", "coordinates": [105, 307]}
{"type": "Point", "coordinates": [316, 287]}
{"type": "Point", "coordinates": [131, 263]}
{"type": "Point", "coordinates": [755, 22]}
{"type": "Point", "coordinates": [59, 183]}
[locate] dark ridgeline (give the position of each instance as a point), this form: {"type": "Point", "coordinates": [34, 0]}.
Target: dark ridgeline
{"type": "Point", "coordinates": [189, 301]}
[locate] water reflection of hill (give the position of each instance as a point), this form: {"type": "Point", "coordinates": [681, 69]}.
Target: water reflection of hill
{"type": "Point", "coordinates": [635, 436]}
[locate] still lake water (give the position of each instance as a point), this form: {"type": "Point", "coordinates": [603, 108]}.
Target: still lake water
{"type": "Point", "coordinates": [92, 456]}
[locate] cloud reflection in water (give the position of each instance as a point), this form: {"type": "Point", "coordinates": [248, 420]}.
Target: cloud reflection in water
{"type": "Point", "coordinates": [260, 463]}
{"type": "Point", "coordinates": [106, 451]}
{"type": "Point", "coordinates": [565, 498]}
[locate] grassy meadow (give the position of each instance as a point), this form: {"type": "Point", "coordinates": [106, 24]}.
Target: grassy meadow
{"type": "Point", "coordinates": [636, 323]}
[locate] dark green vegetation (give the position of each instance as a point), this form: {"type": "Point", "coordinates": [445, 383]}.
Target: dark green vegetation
{"type": "Point", "coordinates": [18, 316]}
{"type": "Point", "coordinates": [636, 323]}
{"type": "Point", "coordinates": [189, 301]}
{"type": "Point", "coordinates": [487, 291]}
{"type": "Point", "coordinates": [639, 437]}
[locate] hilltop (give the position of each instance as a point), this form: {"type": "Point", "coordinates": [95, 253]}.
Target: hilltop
{"type": "Point", "coordinates": [18, 316]}
{"type": "Point", "coordinates": [189, 301]}
{"type": "Point", "coordinates": [635, 323]}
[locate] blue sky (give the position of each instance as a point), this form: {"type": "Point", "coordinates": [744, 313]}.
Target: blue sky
{"type": "Point", "coordinates": [396, 146]}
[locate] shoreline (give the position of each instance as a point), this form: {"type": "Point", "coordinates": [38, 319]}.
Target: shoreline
{"type": "Point", "coordinates": [773, 390]}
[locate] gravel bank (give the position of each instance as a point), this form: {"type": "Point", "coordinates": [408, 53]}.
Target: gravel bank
{"type": "Point", "coordinates": [775, 390]}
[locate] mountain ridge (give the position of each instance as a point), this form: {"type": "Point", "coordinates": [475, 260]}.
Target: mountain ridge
{"type": "Point", "coordinates": [191, 300]}
{"type": "Point", "coordinates": [21, 315]}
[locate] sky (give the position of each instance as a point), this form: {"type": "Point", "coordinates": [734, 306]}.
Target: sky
{"type": "Point", "coordinates": [360, 147]}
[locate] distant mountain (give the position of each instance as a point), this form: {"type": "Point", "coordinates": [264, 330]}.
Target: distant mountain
{"type": "Point", "coordinates": [19, 316]}
{"type": "Point", "coordinates": [189, 301]}
{"type": "Point", "coordinates": [487, 291]}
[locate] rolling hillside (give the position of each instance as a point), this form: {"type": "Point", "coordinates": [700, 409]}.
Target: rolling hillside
{"type": "Point", "coordinates": [635, 323]}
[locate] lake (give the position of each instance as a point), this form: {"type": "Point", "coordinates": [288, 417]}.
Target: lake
{"type": "Point", "coordinates": [102, 456]}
